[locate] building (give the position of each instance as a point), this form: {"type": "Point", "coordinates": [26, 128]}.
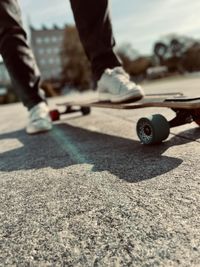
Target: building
{"type": "Point", "coordinates": [46, 44]}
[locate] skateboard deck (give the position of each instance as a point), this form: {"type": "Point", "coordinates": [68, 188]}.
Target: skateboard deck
{"type": "Point", "coordinates": [148, 101]}
{"type": "Point", "coordinates": [151, 129]}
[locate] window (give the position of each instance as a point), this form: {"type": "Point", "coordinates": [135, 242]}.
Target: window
{"type": "Point", "coordinates": [49, 50]}
{"type": "Point", "coordinates": [39, 40]}
{"type": "Point", "coordinates": [54, 39]}
{"type": "Point", "coordinates": [51, 60]}
{"type": "Point", "coordinates": [41, 51]}
{"type": "Point", "coordinates": [42, 61]}
{"type": "Point", "coordinates": [46, 40]}
{"type": "Point", "coordinates": [58, 61]}
{"type": "Point", "coordinates": [56, 50]}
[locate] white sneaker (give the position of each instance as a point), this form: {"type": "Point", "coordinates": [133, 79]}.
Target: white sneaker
{"type": "Point", "coordinates": [115, 86]}
{"type": "Point", "coordinates": [39, 119]}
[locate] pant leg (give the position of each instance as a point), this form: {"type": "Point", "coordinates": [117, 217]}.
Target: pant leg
{"type": "Point", "coordinates": [17, 55]}
{"type": "Point", "coordinates": [94, 26]}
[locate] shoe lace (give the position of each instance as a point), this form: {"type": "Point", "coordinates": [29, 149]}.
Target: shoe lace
{"type": "Point", "coordinates": [38, 113]}
{"type": "Point", "coordinates": [123, 78]}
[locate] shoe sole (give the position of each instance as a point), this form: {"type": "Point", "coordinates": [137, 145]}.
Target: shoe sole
{"type": "Point", "coordinates": [38, 131]}
{"type": "Point", "coordinates": [130, 97]}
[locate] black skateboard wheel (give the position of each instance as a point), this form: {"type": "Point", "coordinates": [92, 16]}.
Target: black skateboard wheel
{"type": "Point", "coordinates": [153, 129]}
{"type": "Point", "coordinates": [85, 110]}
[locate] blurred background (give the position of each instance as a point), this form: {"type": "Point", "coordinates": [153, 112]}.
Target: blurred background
{"type": "Point", "coordinates": [155, 39]}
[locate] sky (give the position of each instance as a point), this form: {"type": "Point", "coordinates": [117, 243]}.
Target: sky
{"type": "Point", "coordinates": [139, 22]}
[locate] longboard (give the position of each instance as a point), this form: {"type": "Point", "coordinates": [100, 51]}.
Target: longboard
{"type": "Point", "coordinates": [153, 129]}
{"type": "Point", "coordinates": [175, 102]}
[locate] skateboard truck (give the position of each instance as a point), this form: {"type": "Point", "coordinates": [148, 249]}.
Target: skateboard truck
{"type": "Point", "coordinates": [182, 117]}
{"type": "Point", "coordinates": [55, 113]}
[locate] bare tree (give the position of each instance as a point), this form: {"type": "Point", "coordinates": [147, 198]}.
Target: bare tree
{"type": "Point", "coordinates": [76, 70]}
{"type": "Point", "coordinates": [133, 63]}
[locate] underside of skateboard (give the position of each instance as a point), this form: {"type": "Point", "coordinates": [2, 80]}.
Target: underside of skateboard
{"type": "Point", "coordinates": [151, 129]}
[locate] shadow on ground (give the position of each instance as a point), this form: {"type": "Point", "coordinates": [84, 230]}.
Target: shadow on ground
{"type": "Point", "coordinates": [67, 146]}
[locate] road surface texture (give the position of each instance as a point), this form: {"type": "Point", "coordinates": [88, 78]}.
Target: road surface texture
{"type": "Point", "coordinates": [89, 194]}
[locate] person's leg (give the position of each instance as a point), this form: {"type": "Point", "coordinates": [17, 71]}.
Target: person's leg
{"type": "Point", "coordinates": [17, 55]}
{"type": "Point", "coordinates": [22, 67]}
{"type": "Point", "coordinates": [95, 30]}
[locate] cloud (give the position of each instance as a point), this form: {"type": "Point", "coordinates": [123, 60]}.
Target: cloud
{"type": "Point", "coordinates": [138, 22]}
{"type": "Point", "coordinates": [142, 22]}
{"type": "Point", "coordinates": [48, 12]}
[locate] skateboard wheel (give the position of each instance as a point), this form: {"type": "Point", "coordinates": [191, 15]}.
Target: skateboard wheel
{"type": "Point", "coordinates": [153, 129]}
{"type": "Point", "coordinates": [85, 110]}
{"type": "Point", "coordinates": [55, 115]}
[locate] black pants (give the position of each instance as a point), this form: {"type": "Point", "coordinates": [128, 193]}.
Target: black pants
{"type": "Point", "coordinates": [95, 30]}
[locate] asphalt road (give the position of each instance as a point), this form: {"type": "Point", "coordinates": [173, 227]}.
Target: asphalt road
{"type": "Point", "coordinates": [89, 194]}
